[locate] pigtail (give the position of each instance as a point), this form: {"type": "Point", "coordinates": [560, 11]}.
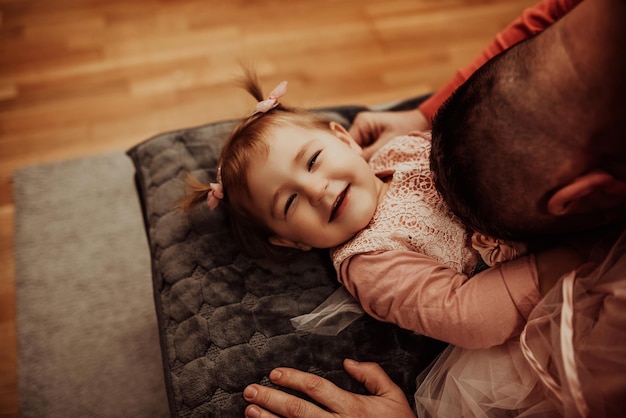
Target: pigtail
{"type": "Point", "coordinates": [250, 82]}
{"type": "Point", "coordinates": [197, 192]}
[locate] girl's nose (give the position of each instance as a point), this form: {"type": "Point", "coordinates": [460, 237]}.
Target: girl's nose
{"type": "Point", "coordinates": [315, 190]}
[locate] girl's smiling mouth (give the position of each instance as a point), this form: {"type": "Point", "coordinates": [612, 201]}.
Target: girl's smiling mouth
{"type": "Point", "coordinates": [339, 205]}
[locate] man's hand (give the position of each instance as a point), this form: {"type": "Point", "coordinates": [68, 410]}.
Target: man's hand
{"type": "Point", "coordinates": [387, 399]}
{"type": "Point", "coordinates": [372, 130]}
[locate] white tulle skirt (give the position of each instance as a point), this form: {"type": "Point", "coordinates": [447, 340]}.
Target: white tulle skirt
{"type": "Point", "coordinates": [494, 382]}
{"type": "Point", "coordinates": [569, 361]}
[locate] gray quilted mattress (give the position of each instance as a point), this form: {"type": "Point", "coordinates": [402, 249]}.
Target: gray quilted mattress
{"type": "Point", "coordinates": [224, 319]}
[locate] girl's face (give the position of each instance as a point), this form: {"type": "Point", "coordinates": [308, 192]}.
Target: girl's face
{"type": "Point", "coordinates": [314, 189]}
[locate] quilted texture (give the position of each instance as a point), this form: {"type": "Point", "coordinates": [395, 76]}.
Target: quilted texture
{"type": "Point", "coordinates": [224, 318]}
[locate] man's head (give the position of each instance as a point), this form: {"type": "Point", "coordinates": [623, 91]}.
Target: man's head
{"type": "Point", "coordinates": [532, 144]}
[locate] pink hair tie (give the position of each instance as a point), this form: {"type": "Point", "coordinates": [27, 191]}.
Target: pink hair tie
{"type": "Point", "coordinates": [215, 195]}
{"type": "Point", "coordinates": [272, 100]}
{"type": "Point", "coordinates": [217, 191]}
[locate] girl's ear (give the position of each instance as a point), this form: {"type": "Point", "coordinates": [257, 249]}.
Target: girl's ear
{"type": "Point", "coordinates": [342, 134]}
{"type": "Point", "coordinates": [589, 193]}
{"type": "Point", "coordinates": [284, 242]}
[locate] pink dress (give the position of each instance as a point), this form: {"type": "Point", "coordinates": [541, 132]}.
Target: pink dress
{"type": "Point", "coordinates": [411, 218]}
{"type": "Point", "coordinates": [412, 265]}
{"type": "Point", "coordinates": [569, 361]}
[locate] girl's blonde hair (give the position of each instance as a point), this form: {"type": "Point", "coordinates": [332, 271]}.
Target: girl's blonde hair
{"type": "Point", "coordinates": [250, 139]}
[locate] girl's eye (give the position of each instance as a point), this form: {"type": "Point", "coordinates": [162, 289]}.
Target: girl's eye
{"type": "Point", "coordinates": [313, 159]}
{"type": "Point", "coordinates": [289, 202]}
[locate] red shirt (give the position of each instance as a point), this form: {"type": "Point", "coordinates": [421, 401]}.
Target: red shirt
{"type": "Point", "coordinates": [532, 21]}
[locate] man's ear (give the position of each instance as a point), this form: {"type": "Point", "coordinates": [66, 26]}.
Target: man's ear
{"type": "Point", "coordinates": [589, 193]}
{"type": "Point", "coordinates": [342, 134]}
{"type": "Point", "coordinates": [284, 242]}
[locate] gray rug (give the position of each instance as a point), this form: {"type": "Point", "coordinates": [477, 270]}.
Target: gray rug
{"type": "Point", "coordinates": [87, 332]}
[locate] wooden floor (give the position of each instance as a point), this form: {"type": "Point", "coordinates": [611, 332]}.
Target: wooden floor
{"type": "Point", "coordinates": [79, 77]}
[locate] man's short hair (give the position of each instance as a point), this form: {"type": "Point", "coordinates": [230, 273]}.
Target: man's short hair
{"type": "Point", "coordinates": [491, 145]}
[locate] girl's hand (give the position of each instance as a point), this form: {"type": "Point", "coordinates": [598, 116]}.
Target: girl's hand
{"type": "Point", "coordinates": [372, 130]}
{"type": "Point", "coordinates": [387, 399]}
